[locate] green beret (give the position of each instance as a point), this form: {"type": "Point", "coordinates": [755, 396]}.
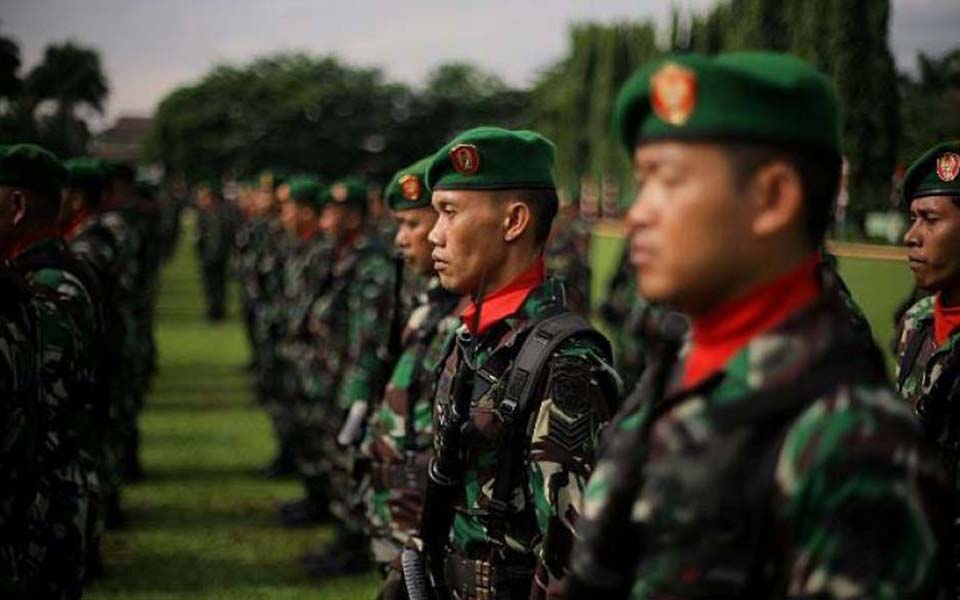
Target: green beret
{"type": "Point", "coordinates": [936, 173]}
{"type": "Point", "coordinates": [32, 167]}
{"type": "Point", "coordinates": [407, 189]}
{"type": "Point", "coordinates": [305, 190]}
{"type": "Point", "coordinates": [490, 158]}
{"type": "Point", "coordinates": [87, 174]}
{"type": "Point", "coordinates": [763, 97]}
{"type": "Point", "coordinates": [349, 192]}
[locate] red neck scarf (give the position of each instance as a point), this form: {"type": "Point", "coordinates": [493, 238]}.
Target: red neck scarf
{"type": "Point", "coordinates": [946, 319]}
{"type": "Point", "coordinates": [29, 240]}
{"type": "Point", "coordinates": [78, 219]}
{"type": "Point", "coordinates": [507, 300]}
{"type": "Point", "coordinates": [718, 335]}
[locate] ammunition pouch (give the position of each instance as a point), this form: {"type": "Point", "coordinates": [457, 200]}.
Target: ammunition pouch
{"type": "Point", "coordinates": [470, 579]}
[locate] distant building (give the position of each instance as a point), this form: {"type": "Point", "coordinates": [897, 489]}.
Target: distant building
{"type": "Point", "coordinates": [124, 140]}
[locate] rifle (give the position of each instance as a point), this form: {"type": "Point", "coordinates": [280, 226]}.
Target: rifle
{"type": "Point", "coordinates": [423, 572]}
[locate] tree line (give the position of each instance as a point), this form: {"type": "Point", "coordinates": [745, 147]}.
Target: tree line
{"type": "Point", "coordinates": [324, 115]}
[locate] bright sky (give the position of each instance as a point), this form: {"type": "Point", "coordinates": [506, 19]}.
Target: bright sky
{"type": "Point", "coordinates": [148, 47]}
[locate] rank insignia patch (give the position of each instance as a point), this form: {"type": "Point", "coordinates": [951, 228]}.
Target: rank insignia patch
{"type": "Point", "coordinates": [948, 166]}
{"type": "Point", "coordinates": [410, 187]}
{"type": "Point", "coordinates": [673, 93]}
{"type": "Point", "coordinates": [465, 159]}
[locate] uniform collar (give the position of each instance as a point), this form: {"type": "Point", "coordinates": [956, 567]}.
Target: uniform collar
{"type": "Point", "coordinates": [28, 241]}
{"type": "Point", "coordinates": [946, 320]}
{"type": "Point", "coordinates": [723, 332]}
{"type": "Point", "coordinates": [70, 229]}
{"type": "Point", "coordinates": [507, 300]}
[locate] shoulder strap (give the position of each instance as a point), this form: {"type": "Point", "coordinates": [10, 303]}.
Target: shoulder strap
{"type": "Point", "coordinates": [544, 338]}
{"type": "Point", "coordinates": [909, 358]}
{"type": "Point", "coordinates": [522, 384]}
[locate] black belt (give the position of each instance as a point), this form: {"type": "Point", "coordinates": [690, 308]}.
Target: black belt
{"type": "Point", "coordinates": [482, 580]}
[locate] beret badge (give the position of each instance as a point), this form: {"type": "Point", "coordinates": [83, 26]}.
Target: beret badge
{"type": "Point", "coordinates": [465, 159]}
{"type": "Point", "coordinates": [410, 187]}
{"type": "Point", "coordinates": [948, 166]}
{"type": "Point", "coordinates": [673, 93]}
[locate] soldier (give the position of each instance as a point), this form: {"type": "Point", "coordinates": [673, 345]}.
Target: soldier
{"type": "Point", "coordinates": [525, 384]}
{"type": "Point", "coordinates": [99, 231]}
{"type": "Point", "coordinates": [928, 355]}
{"type": "Point", "coordinates": [214, 237]}
{"type": "Point", "coordinates": [568, 254]}
{"type": "Point", "coordinates": [20, 425]}
{"type": "Point", "coordinates": [349, 369]}
{"type": "Point", "coordinates": [399, 437]}
{"type": "Point", "coordinates": [66, 330]}
{"type": "Point", "coordinates": [306, 276]}
{"type": "Point", "coordinates": [761, 463]}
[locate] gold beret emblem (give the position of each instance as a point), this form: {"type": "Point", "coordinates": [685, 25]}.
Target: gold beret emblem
{"type": "Point", "coordinates": [673, 93]}
{"type": "Point", "coordinates": [410, 187]}
{"type": "Point", "coordinates": [948, 166]}
{"type": "Point", "coordinates": [465, 159]}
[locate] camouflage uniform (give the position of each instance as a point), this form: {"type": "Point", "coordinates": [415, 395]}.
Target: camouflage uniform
{"type": "Point", "coordinates": [109, 244]}
{"type": "Point", "coordinates": [214, 238]}
{"type": "Point", "coordinates": [67, 330]}
{"type": "Point", "coordinates": [770, 479]}
{"type": "Point", "coordinates": [927, 377]}
{"type": "Point", "coordinates": [345, 371]}
{"type": "Point", "coordinates": [265, 284]}
{"type": "Point", "coordinates": [19, 434]}
{"type": "Point", "coordinates": [306, 275]}
{"type": "Point", "coordinates": [568, 259]}
{"type": "Point", "coordinates": [399, 448]}
{"type": "Point", "coordinates": [558, 442]}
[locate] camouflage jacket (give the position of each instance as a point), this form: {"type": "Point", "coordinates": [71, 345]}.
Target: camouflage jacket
{"type": "Point", "coordinates": [558, 438]}
{"type": "Point", "coordinates": [567, 258]}
{"type": "Point", "coordinates": [19, 429]}
{"type": "Point", "coordinates": [767, 480]}
{"type": "Point", "coordinates": [397, 445]}
{"type": "Point", "coordinates": [920, 365]}
{"type": "Point", "coordinates": [347, 324]}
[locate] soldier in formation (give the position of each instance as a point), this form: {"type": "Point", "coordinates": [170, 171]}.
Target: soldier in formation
{"type": "Point", "coordinates": [928, 354]}
{"type": "Point", "coordinates": [78, 276]}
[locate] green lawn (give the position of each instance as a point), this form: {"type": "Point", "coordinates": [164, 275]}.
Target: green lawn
{"type": "Point", "coordinates": [203, 524]}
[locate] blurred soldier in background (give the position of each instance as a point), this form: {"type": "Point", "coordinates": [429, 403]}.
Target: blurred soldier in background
{"type": "Point", "coordinates": [348, 369]}
{"type": "Point", "coordinates": [567, 254]}
{"type": "Point", "coordinates": [214, 238]}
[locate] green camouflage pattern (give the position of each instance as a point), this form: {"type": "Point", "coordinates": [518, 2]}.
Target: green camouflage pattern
{"type": "Point", "coordinates": [346, 368]}
{"type": "Point", "coordinates": [392, 509]}
{"type": "Point", "coordinates": [917, 379]}
{"type": "Point", "coordinates": [66, 327]}
{"type": "Point", "coordinates": [19, 434]}
{"type": "Point", "coordinates": [562, 435]}
{"type": "Point", "coordinates": [567, 257]}
{"type": "Point", "coordinates": [837, 497]}
{"type": "Point", "coordinates": [214, 238]}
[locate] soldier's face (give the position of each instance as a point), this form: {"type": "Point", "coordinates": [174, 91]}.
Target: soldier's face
{"type": "Point", "coordinates": [468, 238]}
{"type": "Point", "coordinates": [306, 218]}
{"type": "Point", "coordinates": [413, 229]}
{"type": "Point", "coordinates": [934, 243]}
{"type": "Point", "coordinates": [288, 218]}
{"type": "Point", "coordinates": [12, 210]}
{"type": "Point", "coordinates": [686, 229]}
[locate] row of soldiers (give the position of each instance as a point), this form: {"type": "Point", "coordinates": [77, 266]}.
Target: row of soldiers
{"type": "Point", "coordinates": [80, 252]}
{"type": "Point", "coordinates": [487, 448]}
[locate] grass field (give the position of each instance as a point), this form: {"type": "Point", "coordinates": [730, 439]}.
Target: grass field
{"type": "Point", "coordinates": [203, 525]}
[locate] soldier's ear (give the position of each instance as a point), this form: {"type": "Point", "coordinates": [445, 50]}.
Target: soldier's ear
{"type": "Point", "coordinates": [517, 220]}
